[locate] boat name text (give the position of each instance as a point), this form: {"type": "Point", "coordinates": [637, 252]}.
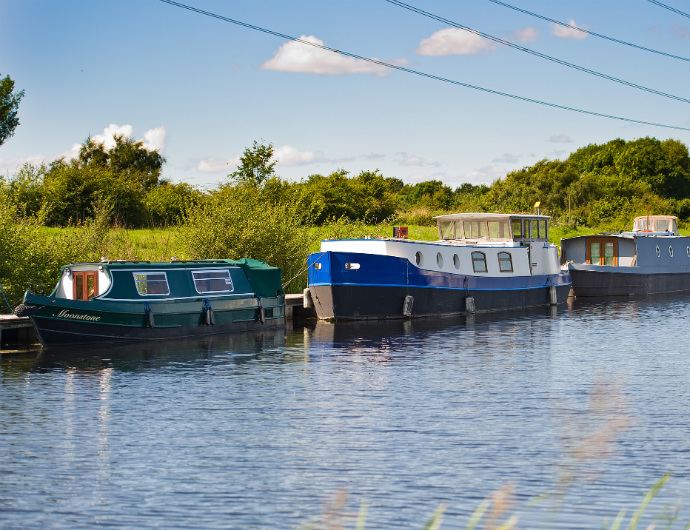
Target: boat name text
{"type": "Point", "coordinates": [77, 316]}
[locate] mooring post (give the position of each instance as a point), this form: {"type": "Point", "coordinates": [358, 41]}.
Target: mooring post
{"type": "Point", "coordinates": [469, 305]}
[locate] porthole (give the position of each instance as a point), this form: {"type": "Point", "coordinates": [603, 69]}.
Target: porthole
{"type": "Point", "coordinates": [670, 251]}
{"type": "Point", "coordinates": [456, 259]}
{"type": "Point", "coordinates": [439, 260]}
{"type": "Point", "coordinates": [352, 266]}
{"type": "Point", "coordinates": [418, 258]}
{"type": "Point", "coordinates": [658, 251]}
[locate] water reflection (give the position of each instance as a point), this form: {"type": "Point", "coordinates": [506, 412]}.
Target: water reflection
{"type": "Point", "coordinates": [255, 431]}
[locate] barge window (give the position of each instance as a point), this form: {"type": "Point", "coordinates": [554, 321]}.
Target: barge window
{"type": "Point", "coordinates": [151, 283]}
{"type": "Point", "coordinates": [543, 230]}
{"type": "Point", "coordinates": [214, 281]}
{"type": "Point", "coordinates": [534, 229]}
{"type": "Point", "coordinates": [479, 262]}
{"type": "Point", "coordinates": [609, 254]}
{"type": "Point", "coordinates": [447, 229]}
{"type": "Point", "coordinates": [475, 229]}
{"type": "Point", "coordinates": [505, 262]}
{"type": "Point", "coordinates": [498, 229]}
{"type": "Point", "coordinates": [595, 253]}
{"type": "Point", "coordinates": [516, 225]}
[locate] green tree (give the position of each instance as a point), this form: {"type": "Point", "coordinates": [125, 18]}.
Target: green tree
{"type": "Point", "coordinates": [167, 203]}
{"type": "Point", "coordinates": [235, 222]}
{"type": "Point", "coordinates": [9, 108]}
{"type": "Point", "coordinates": [256, 166]}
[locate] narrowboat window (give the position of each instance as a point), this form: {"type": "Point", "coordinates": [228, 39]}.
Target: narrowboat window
{"type": "Point", "coordinates": [505, 262]}
{"type": "Point", "coordinates": [543, 231]}
{"type": "Point", "coordinates": [214, 281]}
{"type": "Point", "coordinates": [151, 283]}
{"type": "Point", "coordinates": [658, 251]}
{"type": "Point", "coordinates": [479, 262]}
{"type": "Point", "coordinates": [418, 258]}
{"type": "Point", "coordinates": [670, 251]}
{"type": "Point", "coordinates": [439, 260]}
{"type": "Point", "coordinates": [456, 259]}
{"type": "Point", "coordinates": [516, 225]}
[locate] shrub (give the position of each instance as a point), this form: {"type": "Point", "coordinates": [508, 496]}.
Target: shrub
{"type": "Point", "coordinates": [236, 223]}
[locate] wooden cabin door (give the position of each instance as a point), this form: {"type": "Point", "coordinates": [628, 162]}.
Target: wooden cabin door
{"type": "Point", "coordinates": [84, 284]}
{"type": "Point", "coordinates": [602, 251]}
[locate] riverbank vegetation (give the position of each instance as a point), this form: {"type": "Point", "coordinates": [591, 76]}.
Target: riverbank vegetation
{"type": "Point", "coordinates": [111, 201]}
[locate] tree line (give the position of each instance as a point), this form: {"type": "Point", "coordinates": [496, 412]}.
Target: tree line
{"type": "Point", "coordinates": [599, 185]}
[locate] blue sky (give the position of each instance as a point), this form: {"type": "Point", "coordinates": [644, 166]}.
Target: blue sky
{"type": "Point", "coordinates": [203, 89]}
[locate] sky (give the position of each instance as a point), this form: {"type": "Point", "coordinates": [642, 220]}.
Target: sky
{"type": "Point", "coordinates": [201, 90]}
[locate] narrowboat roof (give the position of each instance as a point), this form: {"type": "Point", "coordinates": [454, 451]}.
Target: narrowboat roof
{"type": "Point", "coordinates": [488, 216]}
{"type": "Point", "coordinates": [177, 264]}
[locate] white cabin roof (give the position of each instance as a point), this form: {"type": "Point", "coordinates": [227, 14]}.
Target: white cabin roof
{"type": "Point", "coordinates": [483, 216]}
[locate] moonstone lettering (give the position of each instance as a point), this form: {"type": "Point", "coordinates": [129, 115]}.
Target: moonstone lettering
{"type": "Point", "coordinates": [77, 316]}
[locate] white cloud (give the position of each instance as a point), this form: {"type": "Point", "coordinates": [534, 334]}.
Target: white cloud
{"type": "Point", "coordinates": [526, 35]}
{"type": "Point", "coordinates": [110, 132]}
{"type": "Point", "coordinates": [568, 33]}
{"type": "Point", "coordinates": [285, 155]}
{"type": "Point", "coordinates": [454, 41]}
{"type": "Point", "coordinates": [70, 154]}
{"type": "Point", "coordinates": [216, 165]}
{"type": "Point", "coordinates": [507, 158]}
{"type": "Point", "coordinates": [289, 156]}
{"type": "Point", "coordinates": [410, 160]}
{"type": "Point", "coordinates": [154, 139]}
{"type": "Point", "coordinates": [560, 139]}
{"type": "Point", "coordinates": [297, 57]}
{"type": "Point", "coordinates": [9, 166]}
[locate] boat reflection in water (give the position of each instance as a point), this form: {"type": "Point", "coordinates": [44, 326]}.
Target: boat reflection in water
{"type": "Point", "coordinates": [161, 354]}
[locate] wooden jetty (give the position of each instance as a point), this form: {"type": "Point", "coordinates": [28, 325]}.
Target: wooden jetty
{"type": "Point", "coordinates": [16, 331]}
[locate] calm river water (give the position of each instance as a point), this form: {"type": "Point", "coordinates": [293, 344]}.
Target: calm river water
{"type": "Point", "coordinates": [577, 413]}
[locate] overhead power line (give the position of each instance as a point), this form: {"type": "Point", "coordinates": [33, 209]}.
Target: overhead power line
{"type": "Point", "coordinates": [419, 73]}
{"type": "Point", "coordinates": [534, 52]}
{"type": "Point", "coordinates": [592, 33]}
{"type": "Point", "coordinates": [670, 8]}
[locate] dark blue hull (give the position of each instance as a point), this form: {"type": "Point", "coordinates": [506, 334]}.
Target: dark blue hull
{"type": "Point", "coordinates": [379, 287]}
{"type": "Point", "coordinates": [599, 283]}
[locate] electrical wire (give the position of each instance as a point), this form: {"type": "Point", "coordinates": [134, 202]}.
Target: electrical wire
{"type": "Point", "coordinates": [589, 32]}
{"type": "Point", "coordinates": [418, 72]}
{"type": "Point", "coordinates": [534, 52]}
{"type": "Point", "coordinates": [670, 8]}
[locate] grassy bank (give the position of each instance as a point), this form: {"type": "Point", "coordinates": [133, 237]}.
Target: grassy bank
{"type": "Point", "coordinates": [164, 243]}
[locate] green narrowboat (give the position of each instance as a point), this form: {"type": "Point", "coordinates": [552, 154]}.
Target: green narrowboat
{"type": "Point", "coordinates": [117, 301]}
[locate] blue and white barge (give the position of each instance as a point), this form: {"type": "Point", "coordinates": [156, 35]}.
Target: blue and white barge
{"type": "Point", "coordinates": [651, 259]}
{"type": "Point", "coordinates": [481, 262]}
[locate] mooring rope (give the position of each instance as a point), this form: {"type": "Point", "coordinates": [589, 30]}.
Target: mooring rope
{"type": "Point", "coordinates": [302, 270]}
